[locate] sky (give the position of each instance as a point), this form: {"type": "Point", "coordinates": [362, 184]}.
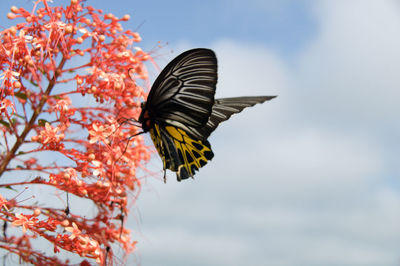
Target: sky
{"type": "Point", "coordinates": [309, 178]}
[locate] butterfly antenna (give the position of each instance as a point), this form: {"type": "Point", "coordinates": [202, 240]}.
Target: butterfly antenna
{"type": "Point", "coordinates": [123, 120]}
{"type": "Point", "coordinates": [131, 121]}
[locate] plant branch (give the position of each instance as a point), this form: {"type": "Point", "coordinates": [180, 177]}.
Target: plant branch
{"type": "Point", "coordinates": [36, 112]}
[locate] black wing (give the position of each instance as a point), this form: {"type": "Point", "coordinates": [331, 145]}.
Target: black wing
{"type": "Point", "coordinates": [222, 110]}
{"type": "Point", "coordinates": [184, 90]}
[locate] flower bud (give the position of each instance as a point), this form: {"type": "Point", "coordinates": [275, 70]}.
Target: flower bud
{"type": "Point", "coordinates": [126, 17]}
{"type": "Point", "coordinates": [14, 9]}
{"type": "Point", "coordinates": [65, 223]}
{"type": "Point", "coordinates": [11, 16]}
{"type": "Point", "coordinates": [36, 212]}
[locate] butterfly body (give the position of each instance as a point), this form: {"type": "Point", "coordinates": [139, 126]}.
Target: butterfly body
{"type": "Point", "coordinates": [181, 112]}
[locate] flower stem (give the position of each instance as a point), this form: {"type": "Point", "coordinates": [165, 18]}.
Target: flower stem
{"type": "Point", "coordinates": [36, 112]}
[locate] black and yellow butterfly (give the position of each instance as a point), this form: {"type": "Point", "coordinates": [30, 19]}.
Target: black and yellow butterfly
{"type": "Point", "coordinates": [181, 112]}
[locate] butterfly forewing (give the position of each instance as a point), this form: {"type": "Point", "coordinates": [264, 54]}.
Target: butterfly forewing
{"type": "Point", "coordinates": [184, 91]}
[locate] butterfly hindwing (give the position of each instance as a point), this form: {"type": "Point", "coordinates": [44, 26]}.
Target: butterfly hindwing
{"type": "Point", "coordinates": [155, 134]}
{"type": "Point", "coordinates": [180, 152]}
{"type": "Point", "coordinates": [222, 110]}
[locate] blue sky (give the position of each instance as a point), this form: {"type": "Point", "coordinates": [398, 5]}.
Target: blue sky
{"type": "Point", "coordinates": [203, 22]}
{"type": "Point", "coordinates": [310, 178]}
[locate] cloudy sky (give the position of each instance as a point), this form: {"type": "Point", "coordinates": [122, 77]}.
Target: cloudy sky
{"type": "Point", "coordinates": [310, 178]}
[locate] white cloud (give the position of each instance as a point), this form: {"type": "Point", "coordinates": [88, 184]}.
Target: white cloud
{"type": "Point", "coordinates": [185, 247]}
{"type": "Point", "coordinates": [306, 164]}
{"type": "Point", "coordinates": [303, 179]}
{"type": "Point", "coordinates": [349, 72]}
{"type": "Point", "coordinates": [239, 75]}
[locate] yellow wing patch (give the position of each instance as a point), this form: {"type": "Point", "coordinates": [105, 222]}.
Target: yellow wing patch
{"type": "Point", "coordinates": [194, 154]}
{"type": "Point", "coordinates": [180, 153]}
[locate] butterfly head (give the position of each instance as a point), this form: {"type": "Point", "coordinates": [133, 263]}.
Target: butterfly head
{"type": "Point", "coordinates": [144, 118]}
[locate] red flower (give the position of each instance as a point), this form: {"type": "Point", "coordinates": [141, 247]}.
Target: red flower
{"type": "Point", "coordinates": [3, 203]}
{"type": "Point", "coordinates": [23, 221]}
{"type": "Point", "coordinates": [74, 230]}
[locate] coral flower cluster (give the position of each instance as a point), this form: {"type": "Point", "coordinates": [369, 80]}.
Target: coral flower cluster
{"type": "Point", "coordinates": [67, 167]}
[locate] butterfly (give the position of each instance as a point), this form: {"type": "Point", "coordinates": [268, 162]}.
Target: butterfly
{"type": "Point", "coordinates": [180, 112]}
